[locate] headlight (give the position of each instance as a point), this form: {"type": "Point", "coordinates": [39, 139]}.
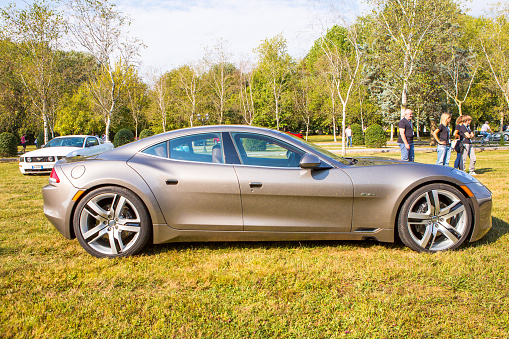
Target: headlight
{"type": "Point", "coordinates": [465, 175]}
{"type": "Point", "coordinates": [51, 159]}
{"type": "Point", "coordinates": [28, 159]}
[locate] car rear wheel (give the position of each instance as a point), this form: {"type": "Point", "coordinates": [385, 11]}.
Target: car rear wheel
{"type": "Point", "coordinates": [435, 218]}
{"type": "Point", "coordinates": [112, 222]}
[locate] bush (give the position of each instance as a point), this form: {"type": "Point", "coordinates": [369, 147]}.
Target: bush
{"type": "Point", "coordinates": [8, 145]}
{"type": "Point", "coordinates": [122, 137]}
{"type": "Point", "coordinates": [357, 134]}
{"type": "Point", "coordinates": [254, 145]}
{"type": "Point", "coordinates": [375, 136]}
{"type": "Point", "coordinates": [146, 133]}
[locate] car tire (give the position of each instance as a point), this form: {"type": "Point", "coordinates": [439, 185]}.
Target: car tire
{"type": "Point", "coordinates": [112, 222]}
{"type": "Point", "coordinates": [506, 137]}
{"type": "Point", "coordinates": [434, 218]}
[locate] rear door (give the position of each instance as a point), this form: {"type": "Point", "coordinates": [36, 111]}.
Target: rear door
{"type": "Point", "coordinates": [195, 189]}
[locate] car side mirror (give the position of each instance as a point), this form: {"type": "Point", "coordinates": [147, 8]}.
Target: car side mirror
{"type": "Point", "coordinates": [310, 161]}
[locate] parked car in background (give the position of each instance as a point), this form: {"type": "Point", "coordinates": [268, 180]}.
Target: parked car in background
{"type": "Point", "coordinates": [298, 135]}
{"type": "Point", "coordinates": [497, 136]}
{"type": "Point", "coordinates": [257, 184]}
{"type": "Point", "coordinates": [42, 160]}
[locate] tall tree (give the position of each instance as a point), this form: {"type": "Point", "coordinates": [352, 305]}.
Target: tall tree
{"type": "Point", "coordinates": [459, 70]}
{"type": "Point", "coordinates": [245, 92]}
{"type": "Point", "coordinates": [275, 66]}
{"type": "Point", "coordinates": [494, 42]}
{"type": "Point", "coordinates": [137, 97]}
{"type": "Point", "coordinates": [37, 32]}
{"type": "Point", "coordinates": [191, 85]}
{"type": "Point", "coordinates": [401, 28]}
{"type": "Point", "coordinates": [159, 94]}
{"type": "Point", "coordinates": [99, 28]}
{"type": "Point", "coordinates": [343, 55]}
{"type": "Point", "coordinates": [221, 73]}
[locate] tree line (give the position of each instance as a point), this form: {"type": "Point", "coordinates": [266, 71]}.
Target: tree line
{"type": "Point", "coordinates": [71, 67]}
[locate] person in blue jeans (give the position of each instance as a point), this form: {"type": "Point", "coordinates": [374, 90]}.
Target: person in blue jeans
{"type": "Point", "coordinates": [443, 135]}
{"type": "Point", "coordinates": [406, 136]}
{"type": "Point", "coordinates": [459, 136]}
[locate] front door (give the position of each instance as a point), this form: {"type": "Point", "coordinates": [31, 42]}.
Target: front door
{"type": "Point", "coordinates": [279, 196]}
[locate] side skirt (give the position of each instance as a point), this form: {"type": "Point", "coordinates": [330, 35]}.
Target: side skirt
{"type": "Point", "coordinates": [166, 234]}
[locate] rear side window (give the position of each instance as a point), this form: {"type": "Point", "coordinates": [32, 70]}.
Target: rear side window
{"type": "Point", "coordinates": [159, 150]}
{"type": "Point", "coordinates": [200, 148]}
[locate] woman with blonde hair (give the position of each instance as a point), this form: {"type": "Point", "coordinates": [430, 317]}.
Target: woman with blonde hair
{"type": "Point", "coordinates": [443, 140]}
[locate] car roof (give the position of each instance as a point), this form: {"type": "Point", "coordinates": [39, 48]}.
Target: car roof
{"type": "Point", "coordinates": [128, 150]}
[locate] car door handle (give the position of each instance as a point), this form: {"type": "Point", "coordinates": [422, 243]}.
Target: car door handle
{"type": "Point", "coordinates": [255, 184]}
{"type": "Point", "coordinates": [171, 181]}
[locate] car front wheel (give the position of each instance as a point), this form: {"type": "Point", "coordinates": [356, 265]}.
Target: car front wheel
{"type": "Point", "coordinates": [112, 222]}
{"type": "Point", "coordinates": [436, 217]}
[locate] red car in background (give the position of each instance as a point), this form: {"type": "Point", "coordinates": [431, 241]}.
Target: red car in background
{"type": "Point", "coordinates": [299, 135]}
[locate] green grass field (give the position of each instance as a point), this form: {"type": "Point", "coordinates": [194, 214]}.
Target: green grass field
{"type": "Point", "coordinates": [51, 288]}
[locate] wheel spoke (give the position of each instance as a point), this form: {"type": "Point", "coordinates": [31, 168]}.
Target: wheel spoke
{"type": "Point", "coordinates": [113, 246]}
{"type": "Point", "coordinates": [454, 213]}
{"type": "Point", "coordinates": [129, 228]}
{"type": "Point", "coordinates": [97, 209]}
{"type": "Point", "coordinates": [449, 207]}
{"type": "Point", "coordinates": [94, 230]}
{"type": "Point", "coordinates": [436, 202]}
{"type": "Point", "coordinates": [119, 206]}
{"type": "Point", "coordinates": [117, 234]}
{"type": "Point", "coordinates": [418, 216]}
{"type": "Point", "coordinates": [99, 236]}
{"type": "Point", "coordinates": [426, 237]}
{"type": "Point", "coordinates": [98, 217]}
{"type": "Point", "coordinates": [450, 235]}
{"type": "Point", "coordinates": [431, 208]}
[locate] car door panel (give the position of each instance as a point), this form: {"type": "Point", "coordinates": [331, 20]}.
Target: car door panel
{"type": "Point", "coordinates": [295, 200]}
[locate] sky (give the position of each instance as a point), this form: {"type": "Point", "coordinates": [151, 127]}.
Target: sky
{"type": "Point", "coordinates": [178, 31]}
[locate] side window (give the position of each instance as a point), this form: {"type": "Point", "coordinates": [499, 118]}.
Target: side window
{"type": "Point", "coordinates": [199, 148]}
{"type": "Point", "coordinates": [91, 142]}
{"type": "Point", "coordinates": [260, 150]}
{"type": "Point", "coordinates": [159, 150]}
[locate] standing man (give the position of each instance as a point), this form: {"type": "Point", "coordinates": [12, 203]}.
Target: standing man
{"type": "Point", "coordinates": [467, 142]}
{"type": "Point", "coordinates": [348, 132]}
{"type": "Point", "coordinates": [406, 136]}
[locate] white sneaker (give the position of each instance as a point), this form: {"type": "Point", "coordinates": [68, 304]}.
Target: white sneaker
{"type": "Point", "coordinates": [473, 173]}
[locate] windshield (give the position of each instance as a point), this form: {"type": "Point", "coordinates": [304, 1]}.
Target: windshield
{"type": "Point", "coordinates": [66, 142]}
{"type": "Point", "coordinates": [322, 150]}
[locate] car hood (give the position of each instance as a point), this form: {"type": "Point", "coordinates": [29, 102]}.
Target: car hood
{"type": "Point", "coordinates": [373, 161]}
{"type": "Point", "coordinates": [51, 151]}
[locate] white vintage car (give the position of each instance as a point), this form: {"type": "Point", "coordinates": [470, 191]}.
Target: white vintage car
{"type": "Point", "coordinates": [43, 160]}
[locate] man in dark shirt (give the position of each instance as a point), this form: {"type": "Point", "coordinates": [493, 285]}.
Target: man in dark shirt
{"type": "Point", "coordinates": [406, 136]}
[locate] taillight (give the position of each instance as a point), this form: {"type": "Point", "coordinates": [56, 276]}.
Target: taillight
{"type": "Point", "coordinates": [53, 177]}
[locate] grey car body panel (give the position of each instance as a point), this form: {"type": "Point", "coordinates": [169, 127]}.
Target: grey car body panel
{"type": "Point", "coordinates": [295, 199]}
{"type": "Point", "coordinates": [345, 202]}
{"type": "Point", "coordinates": [204, 196]}
{"type": "Point", "coordinates": [97, 173]}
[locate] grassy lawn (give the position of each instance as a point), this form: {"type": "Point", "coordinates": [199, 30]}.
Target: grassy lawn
{"type": "Point", "coordinates": [51, 288]}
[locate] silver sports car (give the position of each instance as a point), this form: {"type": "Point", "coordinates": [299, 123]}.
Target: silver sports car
{"type": "Point", "coordinates": [242, 183]}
